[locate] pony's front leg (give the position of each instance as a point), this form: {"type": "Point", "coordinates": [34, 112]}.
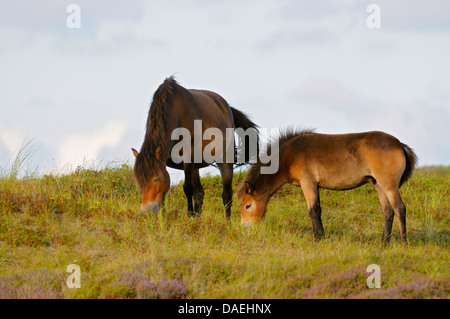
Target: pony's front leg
{"type": "Point", "coordinates": [188, 187]}
{"type": "Point", "coordinates": [226, 170]}
{"type": "Point", "coordinates": [311, 192]}
{"type": "Point", "coordinates": [198, 192]}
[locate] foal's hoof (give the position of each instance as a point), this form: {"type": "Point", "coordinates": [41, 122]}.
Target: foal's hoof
{"type": "Point", "coordinates": [386, 241]}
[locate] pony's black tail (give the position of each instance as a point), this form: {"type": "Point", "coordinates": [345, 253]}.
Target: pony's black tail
{"type": "Point", "coordinates": [241, 120]}
{"type": "Point", "coordinates": [411, 162]}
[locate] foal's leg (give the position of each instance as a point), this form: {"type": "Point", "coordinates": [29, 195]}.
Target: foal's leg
{"type": "Point", "coordinates": [226, 170]}
{"type": "Point", "coordinates": [388, 213]}
{"type": "Point", "coordinates": [198, 192]}
{"type": "Point", "coordinates": [311, 192]}
{"type": "Point", "coordinates": [400, 211]}
{"type": "Point", "coordinates": [391, 191]}
{"type": "Point", "coordinates": [188, 187]}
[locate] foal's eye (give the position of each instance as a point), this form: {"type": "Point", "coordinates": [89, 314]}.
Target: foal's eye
{"type": "Point", "coordinates": [248, 206]}
{"type": "Point", "coordinates": [156, 180]}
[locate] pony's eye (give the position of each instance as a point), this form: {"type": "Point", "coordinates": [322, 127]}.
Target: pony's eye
{"type": "Point", "coordinates": [156, 180]}
{"type": "Point", "coordinates": [248, 206]}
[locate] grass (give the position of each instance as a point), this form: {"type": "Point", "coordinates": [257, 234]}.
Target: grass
{"type": "Point", "coordinates": [92, 218]}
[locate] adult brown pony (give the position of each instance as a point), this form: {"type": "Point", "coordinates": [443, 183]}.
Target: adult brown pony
{"type": "Point", "coordinates": [338, 162]}
{"type": "Point", "coordinates": [174, 107]}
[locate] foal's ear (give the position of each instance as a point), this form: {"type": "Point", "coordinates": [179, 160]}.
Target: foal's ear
{"type": "Point", "coordinates": [135, 152]}
{"type": "Point", "coordinates": [246, 188]}
{"type": "Point", "coordinates": [249, 188]}
{"type": "Point", "coordinates": [240, 194]}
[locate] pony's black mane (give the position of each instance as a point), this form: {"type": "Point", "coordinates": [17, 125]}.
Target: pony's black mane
{"type": "Point", "coordinates": [283, 138]}
{"type": "Point", "coordinates": [155, 130]}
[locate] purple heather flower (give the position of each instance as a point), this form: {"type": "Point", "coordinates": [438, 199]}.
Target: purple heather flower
{"type": "Point", "coordinates": [6, 290]}
{"type": "Point", "coordinates": [171, 289]}
{"type": "Point", "coordinates": [145, 290]}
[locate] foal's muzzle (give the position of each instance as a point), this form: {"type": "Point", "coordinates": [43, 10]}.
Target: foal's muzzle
{"type": "Point", "coordinates": [252, 221]}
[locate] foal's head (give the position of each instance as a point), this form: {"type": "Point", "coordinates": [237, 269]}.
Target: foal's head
{"type": "Point", "coordinates": [253, 197]}
{"type": "Point", "coordinates": [154, 180]}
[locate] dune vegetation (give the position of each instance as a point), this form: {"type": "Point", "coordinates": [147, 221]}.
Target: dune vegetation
{"type": "Point", "coordinates": [91, 218]}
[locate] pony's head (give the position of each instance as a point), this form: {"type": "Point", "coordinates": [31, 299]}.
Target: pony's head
{"type": "Point", "coordinates": [151, 174]}
{"type": "Point", "coordinates": [253, 204]}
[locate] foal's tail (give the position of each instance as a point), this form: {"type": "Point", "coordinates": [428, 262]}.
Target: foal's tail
{"type": "Point", "coordinates": [241, 120]}
{"type": "Point", "coordinates": [411, 162]}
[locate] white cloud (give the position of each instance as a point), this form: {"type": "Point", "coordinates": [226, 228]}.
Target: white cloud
{"type": "Point", "coordinates": [333, 107]}
{"type": "Point", "coordinates": [12, 138]}
{"type": "Point", "coordinates": [290, 38]}
{"type": "Point", "coordinates": [314, 10]}
{"type": "Point", "coordinates": [328, 91]}
{"type": "Point", "coordinates": [415, 14]}
{"type": "Point", "coordinates": [51, 15]}
{"type": "Point", "coordinates": [254, 53]}
{"type": "Point", "coordinates": [81, 149]}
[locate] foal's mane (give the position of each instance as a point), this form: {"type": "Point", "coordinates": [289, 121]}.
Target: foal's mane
{"type": "Point", "coordinates": [155, 130]}
{"type": "Point", "coordinates": [284, 136]}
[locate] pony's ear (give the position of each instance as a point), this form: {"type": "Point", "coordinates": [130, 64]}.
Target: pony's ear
{"type": "Point", "coordinates": [158, 153]}
{"type": "Point", "coordinates": [135, 152]}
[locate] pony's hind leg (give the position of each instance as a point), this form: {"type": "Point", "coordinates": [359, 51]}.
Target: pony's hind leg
{"type": "Point", "coordinates": [198, 192]}
{"type": "Point", "coordinates": [388, 214]}
{"type": "Point", "coordinates": [312, 197]}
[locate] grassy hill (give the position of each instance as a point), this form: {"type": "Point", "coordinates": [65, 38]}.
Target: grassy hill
{"type": "Point", "coordinates": [92, 219]}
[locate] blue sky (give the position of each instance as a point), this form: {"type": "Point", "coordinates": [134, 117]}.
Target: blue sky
{"type": "Point", "coordinates": [82, 95]}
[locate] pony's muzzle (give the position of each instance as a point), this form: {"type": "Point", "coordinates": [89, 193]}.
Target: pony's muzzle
{"type": "Point", "coordinates": [150, 206]}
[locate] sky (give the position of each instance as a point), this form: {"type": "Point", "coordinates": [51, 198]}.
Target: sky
{"type": "Point", "coordinates": [80, 96]}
